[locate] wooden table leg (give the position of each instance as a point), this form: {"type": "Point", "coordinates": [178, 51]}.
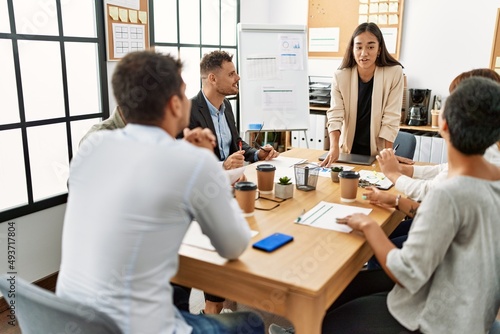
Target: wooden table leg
{"type": "Point", "coordinates": [306, 313]}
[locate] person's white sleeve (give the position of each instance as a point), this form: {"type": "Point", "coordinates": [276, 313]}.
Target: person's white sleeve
{"type": "Point", "coordinates": [216, 210]}
{"type": "Point", "coordinates": [416, 189]}
{"type": "Point", "coordinates": [428, 172]}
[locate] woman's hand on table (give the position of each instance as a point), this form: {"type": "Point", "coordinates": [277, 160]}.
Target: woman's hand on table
{"type": "Point", "coordinates": [378, 197]}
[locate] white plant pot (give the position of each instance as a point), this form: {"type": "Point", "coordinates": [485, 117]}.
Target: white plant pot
{"type": "Point", "coordinates": [283, 191]}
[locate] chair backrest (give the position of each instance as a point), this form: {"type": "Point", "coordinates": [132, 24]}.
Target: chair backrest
{"type": "Point", "coordinates": [407, 143]}
{"type": "Point", "coordinates": [41, 311]}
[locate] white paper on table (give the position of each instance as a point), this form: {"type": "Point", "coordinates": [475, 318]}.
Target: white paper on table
{"type": "Point", "coordinates": [325, 214]}
{"type": "Point", "coordinates": [235, 174]}
{"type": "Point", "coordinates": [195, 237]}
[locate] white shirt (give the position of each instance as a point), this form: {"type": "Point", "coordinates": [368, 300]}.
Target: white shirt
{"type": "Point", "coordinates": [131, 200]}
{"type": "Point", "coordinates": [427, 177]}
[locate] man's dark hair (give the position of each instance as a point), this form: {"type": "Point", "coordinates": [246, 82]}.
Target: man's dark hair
{"type": "Point", "coordinates": [472, 112]}
{"type": "Point", "coordinates": [213, 61]}
{"type": "Point", "coordinates": [143, 83]}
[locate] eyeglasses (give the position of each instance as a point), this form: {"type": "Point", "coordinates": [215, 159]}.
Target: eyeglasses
{"type": "Point", "coordinates": [275, 200]}
{"type": "Point", "coordinates": [255, 144]}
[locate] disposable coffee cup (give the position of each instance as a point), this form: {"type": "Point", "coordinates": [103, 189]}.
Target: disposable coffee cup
{"type": "Point", "coordinates": [434, 118]}
{"type": "Point", "coordinates": [349, 181]}
{"type": "Point", "coordinates": [265, 178]}
{"type": "Point", "coordinates": [245, 194]}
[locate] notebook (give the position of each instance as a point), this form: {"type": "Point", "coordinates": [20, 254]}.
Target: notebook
{"type": "Point", "coordinates": [356, 159]}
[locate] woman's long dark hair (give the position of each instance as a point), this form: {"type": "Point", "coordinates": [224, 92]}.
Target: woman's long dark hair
{"type": "Point", "coordinates": [384, 59]}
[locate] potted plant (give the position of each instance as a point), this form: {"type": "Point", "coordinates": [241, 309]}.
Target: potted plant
{"type": "Point", "coordinates": [284, 188]}
{"type": "Point", "coordinates": [335, 173]}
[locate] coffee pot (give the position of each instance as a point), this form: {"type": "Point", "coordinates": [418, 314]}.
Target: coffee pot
{"type": "Point", "coordinates": [419, 107]}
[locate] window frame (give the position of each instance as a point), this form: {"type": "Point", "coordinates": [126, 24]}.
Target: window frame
{"type": "Point", "coordinates": [200, 45]}
{"type": "Point", "coordinates": [23, 125]}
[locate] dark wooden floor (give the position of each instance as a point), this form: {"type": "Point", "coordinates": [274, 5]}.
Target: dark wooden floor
{"type": "Point", "coordinates": [5, 328]}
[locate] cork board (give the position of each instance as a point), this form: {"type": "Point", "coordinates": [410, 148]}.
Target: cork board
{"type": "Point", "coordinates": [495, 51]}
{"type": "Point", "coordinates": [332, 22]}
{"type": "Point", "coordinates": [127, 27]}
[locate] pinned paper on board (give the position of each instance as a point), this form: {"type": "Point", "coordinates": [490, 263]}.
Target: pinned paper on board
{"type": "Point", "coordinates": [128, 38]}
{"type": "Point", "coordinates": [113, 12]}
{"type": "Point", "coordinates": [132, 14]}
{"type": "Point", "coordinates": [123, 14]}
{"type": "Point", "coordinates": [291, 46]}
{"type": "Point", "coordinates": [390, 38]}
{"type": "Point", "coordinates": [143, 17]}
{"type": "Point", "coordinates": [262, 67]}
{"type": "Point", "coordinates": [324, 39]}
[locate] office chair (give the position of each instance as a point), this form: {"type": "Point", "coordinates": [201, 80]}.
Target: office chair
{"type": "Point", "coordinates": [41, 311]}
{"type": "Point", "coordinates": [407, 143]}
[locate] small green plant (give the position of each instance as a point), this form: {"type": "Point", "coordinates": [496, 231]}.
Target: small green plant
{"type": "Point", "coordinates": [337, 169]}
{"type": "Point", "coordinates": [285, 180]}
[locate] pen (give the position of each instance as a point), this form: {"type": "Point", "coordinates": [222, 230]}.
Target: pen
{"type": "Point", "coordinates": [299, 218]}
{"type": "Point", "coordinates": [395, 148]}
{"type": "Point", "coordinates": [240, 145]}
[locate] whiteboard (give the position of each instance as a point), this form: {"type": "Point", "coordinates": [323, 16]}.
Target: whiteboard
{"type": "Point", "coordinates": [274, 84]}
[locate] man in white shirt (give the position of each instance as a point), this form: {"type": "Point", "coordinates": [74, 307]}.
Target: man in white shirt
{"type": "Point", "coordinates": [131, 200]}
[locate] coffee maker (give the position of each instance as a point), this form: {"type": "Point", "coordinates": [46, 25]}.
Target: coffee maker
{"type": "Point", "coordinates": [419, 107]}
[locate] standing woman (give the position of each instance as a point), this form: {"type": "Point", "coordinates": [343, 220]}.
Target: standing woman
{"type": "Point", "coordinates": [367, 93]}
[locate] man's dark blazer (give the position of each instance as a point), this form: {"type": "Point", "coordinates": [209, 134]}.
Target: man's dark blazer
{"type": "Point", "coordinates": [200, 117]}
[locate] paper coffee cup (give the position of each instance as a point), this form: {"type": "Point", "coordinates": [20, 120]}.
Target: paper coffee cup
{"type": "Point", "coordinates": [265, 178]}
{"type": "Point", "coordinates": [245, 194]}
{"type": "Point", "coordinates": [349, 181]}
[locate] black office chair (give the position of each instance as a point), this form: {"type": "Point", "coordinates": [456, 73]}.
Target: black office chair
{"type": "Point", "coordinates": [407, 143]}
{"type": "Point", "coordinates": [41, 311]}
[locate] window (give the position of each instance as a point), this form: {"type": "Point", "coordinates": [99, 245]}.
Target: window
{"type": "Point", "coordinates": [53, 87]}
{"type": "Point", "coordinates": [199, 27]}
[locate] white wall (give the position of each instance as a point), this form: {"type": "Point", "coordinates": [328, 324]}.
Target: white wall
{"type": "Point", "coordinates": [38, 243]}
{"type": "Point", "coordinates": [440, 40]}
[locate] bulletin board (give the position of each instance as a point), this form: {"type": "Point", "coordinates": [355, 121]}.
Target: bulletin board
{"type": "Point", "coordinates": [127, 27]}
{"type": "Point", "coordinates": [495, 52]}
{"type": "Point", "coordinates": [332, 22]}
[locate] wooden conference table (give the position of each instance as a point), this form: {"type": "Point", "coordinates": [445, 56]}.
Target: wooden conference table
{"type": "Point", "coordinates": [300, 280]}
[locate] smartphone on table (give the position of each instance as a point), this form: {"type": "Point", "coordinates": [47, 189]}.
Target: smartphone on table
{"type": "Point", "coordinates": [273, 242]}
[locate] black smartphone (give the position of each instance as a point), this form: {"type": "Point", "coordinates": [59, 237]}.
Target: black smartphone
{"type": "Point", "coordinates": [272, 242]}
